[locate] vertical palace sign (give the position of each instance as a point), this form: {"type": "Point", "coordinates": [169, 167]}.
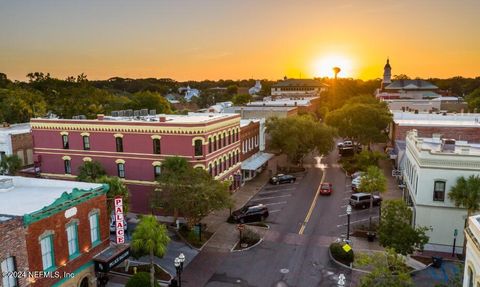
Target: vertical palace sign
{"type": "Point", "coordinates": [119, 220]}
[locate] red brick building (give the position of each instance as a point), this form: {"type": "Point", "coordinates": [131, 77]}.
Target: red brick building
{"type": "Point", "coordinates": [250, 138]}
{"type": "Point", "coordinates": [17, 140]}
{"type": "Point", "coordinates": [54, 231]}
{"type": "Point", "coordinates": [13, 250]}
{"type": "Point", "coordinates": [465, 127]}
{"type": "Point", "coordinates": [254, 160]}
{"type": "Point", "coordinates": [133, 148]}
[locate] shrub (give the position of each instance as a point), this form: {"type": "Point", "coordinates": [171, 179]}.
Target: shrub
{"type": "Point", "coordinates": [249, 237]}
{"type": "Point", "coordinates": [141, 279]}
{"type": "Point", "coordinates": [340, 255]}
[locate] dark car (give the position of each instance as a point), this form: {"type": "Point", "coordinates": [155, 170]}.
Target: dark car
{"type": "Point", "coordinates": [362, 200]}
{"type": "Point", "coordinates": [250, 213]}
{"type": "Point", "coordinates": [283, 178]}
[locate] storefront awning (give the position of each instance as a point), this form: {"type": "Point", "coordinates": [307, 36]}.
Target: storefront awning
{"type": "Point", "coordinates": [111, 257]}
{"type": "Point", "coordinates": [256, 161]}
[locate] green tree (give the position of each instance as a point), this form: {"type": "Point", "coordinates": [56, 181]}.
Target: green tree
{"type": "Point", "coordinates": [373, 181]}
{"type": "Point", "coordinates": [150, 238]}
{"type": "Point", "coordinates": [396, 230]}
{"type": "Point", "coordinates": [389, 270]}
{"type": "Point", "coordinates": [466, 194]}
{"type": "Point", "coordinates": [240, 100]}
{"type": "Point", "coordinates": [300, 135]}
{"type": "Point", "coordinates": [90, 171]}
{"type": "Point", "coordinates": [232, 90]}
{"type": "Point", "coordinates": [19, 105]}
{"type": "Point", "coordinates": [473, 99]}
{"type": "Point", "coordinates": [362, 122]}
{"type": "Point", "coordinates": [151, 101]}
{"type": "Point", "coordinates": [117, 188]}
{"type": "Point", "coordinates": [192, 191]}
{"type": "Point", "coordinates": [10, 164]}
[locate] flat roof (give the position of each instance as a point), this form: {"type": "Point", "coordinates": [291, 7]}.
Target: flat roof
{"type": "Point", "coordinates": [16, 129]}
{"type": "Point", "coordinates": [435, 145]}
{"type": "Point", "coordinates": [427, 119]}
{"type": "Point", "coordinates": [244, 123]}
{"type": "Point", "coordinates": [283, 102]}
{"type": "Point", "coordinates": [28, 194]}
{"type": "Point", "coordinates": [262, 108]}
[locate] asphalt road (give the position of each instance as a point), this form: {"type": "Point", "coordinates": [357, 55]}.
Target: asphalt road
{"type": "Point", "coordinates": [295, 249]}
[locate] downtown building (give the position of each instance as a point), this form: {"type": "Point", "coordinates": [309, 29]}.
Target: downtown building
{"type": "Point", "coordinates": [51, 231]}
{"type": "Point", "coordinates": [133, 147]}
{"type": "Point", "coordinates": [430, 168]}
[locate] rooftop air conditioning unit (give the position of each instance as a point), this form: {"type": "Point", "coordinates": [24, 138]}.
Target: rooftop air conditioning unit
{"type": "Point", "coordinates": [144, 112]}
{"type": "Point", "coordinates": [121, 113]}
{"type": "Point", "coordinates": [136, 113]}
{"type": "Point", "coordinates": [129, 113]}
{"type": "Point", "coordinates": [448, 145]}
{"type": "Point", "coordinates": [114, 113]}
{"type": "Point", "coordinates": [153, 112]}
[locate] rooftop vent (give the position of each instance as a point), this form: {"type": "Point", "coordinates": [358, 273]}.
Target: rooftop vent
{"type": "Point", "coordinates": [448, 145]}
{"type": "Point", "coordinates": [6, 184]}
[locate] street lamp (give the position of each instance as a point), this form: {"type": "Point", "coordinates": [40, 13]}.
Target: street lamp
{"type": "Point", "coordinates": [349, 212]}
{"type": "Point", "coordinates": [178, 262]}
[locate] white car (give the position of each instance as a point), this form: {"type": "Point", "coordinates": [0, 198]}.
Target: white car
{"type": "Point", "coordinates": [357, 174]}
{"type": "Point", "coordinates": [356, 183]}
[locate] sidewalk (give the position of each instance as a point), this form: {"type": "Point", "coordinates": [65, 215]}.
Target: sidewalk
{"type": "Point", "coordinates": [225, 236]}
{"type": "Point", "coordinates": [393, 191]}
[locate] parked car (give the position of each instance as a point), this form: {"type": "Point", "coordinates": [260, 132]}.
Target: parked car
{"type": "Point", "coordinates": [362, 200]}
{"type": "Point", "coordinates": [356, 183]}
{"type": "Point", "coordinates": [357, 174]}
{"type": "Point", "coordinates": [283, 178]}
{"type": "Point", "coordinates": [345, 144]}
{"type": "Point", "coordinates": [112, 224]}
{"type": "Point", "coordinates": [326, 188]}
{"type": "Point", "coordinates": [250, 213]}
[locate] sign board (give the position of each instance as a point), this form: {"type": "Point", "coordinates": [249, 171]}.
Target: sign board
{"type": "Point", "coordinates": [347, 247]}
{"type": "Point", "coordinates": [455, 232]}
{"type": "Point", "coordinates": [107, 264]}
{"type": "Point", "coordinates": [396, 172]}
{"type": "Point", "coordinates": [119, 220]}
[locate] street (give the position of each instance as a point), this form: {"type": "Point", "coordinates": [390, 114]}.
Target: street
{"type": "Point", "coordinates": [302, 226]}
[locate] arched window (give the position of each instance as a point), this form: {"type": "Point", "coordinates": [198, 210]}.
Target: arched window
{"type": "Point", "coordinates": [121, 170]}
{"type": "Point", "coordinates": [210, 169]}
{"type": "Point", "coordinates": [198, 148]}
{"type": "Point", "coordinates": [229, 137]}
{"type": "Point", "coordinates": [67, 164]}
{"type": "Point", "coordinates": [214, 143]}
{"type": "Point", "coordinates": [156, 146]}
{"type": "Point", "coordinates": [119, 144]}
{"type": "Point", "coordinates": [86, 142]}
{"type": "Point", "coordinates": [209, 145]}
{"type": "Point", "coordinates": [224, 139]}
{"type": "Point", "coordinates": [470, 277]}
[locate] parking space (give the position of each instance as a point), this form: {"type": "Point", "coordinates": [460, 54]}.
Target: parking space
{"type": "Point", "coordinates": [276, 197]}
{"type": "Point", "coordinates": [358, 216]}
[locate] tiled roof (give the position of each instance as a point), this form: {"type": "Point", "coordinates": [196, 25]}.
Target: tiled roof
{"type": "Point", "coordinates": [411, 85]}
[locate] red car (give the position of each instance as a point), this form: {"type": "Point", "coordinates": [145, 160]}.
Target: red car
{"type": "Point", "coordinates": [326, 188]}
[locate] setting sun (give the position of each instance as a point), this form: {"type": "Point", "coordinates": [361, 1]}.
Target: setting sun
{"type": "Point", "coordinates": [323, 67]}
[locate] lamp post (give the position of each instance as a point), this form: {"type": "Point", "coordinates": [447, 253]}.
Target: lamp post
{"type": "Point", "coordinates": [349, 212]}
{"type": "Point", "coordinates": [179, 267]}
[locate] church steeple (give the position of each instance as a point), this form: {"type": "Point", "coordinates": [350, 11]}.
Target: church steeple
{"type": "Point", "coordinates": [387, 74]}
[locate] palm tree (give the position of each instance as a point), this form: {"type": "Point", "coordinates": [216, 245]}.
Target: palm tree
{"type": "Point", "coordinates": [150, 237]}
{"type": "Point", "coordinates": [117, 188]}
{"type": "Point", "coordinates": [466, 194]}
{"type": "Point", "coordinates": [373, 181]}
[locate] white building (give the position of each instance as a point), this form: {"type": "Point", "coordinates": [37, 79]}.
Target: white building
{"type": "Point", "coordinates": [255, 89]}
{"type": "Point", "coordinates": [471, 276]}
{"type": "Point", "coordinates": [22, 146]}
{"type": "Point", "coordinates": [189, 93]}
{"type": "Point", "coordinates": [295, 88]}
{"type": "Point", "coordinates": [430, 168]}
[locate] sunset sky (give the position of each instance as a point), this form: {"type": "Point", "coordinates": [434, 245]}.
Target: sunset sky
{"type": "Point", "coordinates": [226, 39]}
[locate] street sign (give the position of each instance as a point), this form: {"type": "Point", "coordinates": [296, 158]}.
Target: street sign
{"type": "Point", "coordinates": [347, 247]}
{"type": "Point", "coordinates": [119, 219]}
{"type": "Point", "coordinates": [455, 232]}
{"type": "Point", "coordinates": [341, 280]}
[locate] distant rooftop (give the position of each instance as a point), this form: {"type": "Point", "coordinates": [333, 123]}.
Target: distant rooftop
{"type": "Point", "coordinates": [442, 119]}
{"type": "Point", "coordinates": [16, 129]}
{"type": "Point", "coordinates": [437, 145]}
{"type": "Point", "coordinates": [283, 102]}
{"type": "Point", "coordinates": [411, 85]}
{"type": "Point", "coordinates": [28, 195]}
{"type": "Point", "coordinates": [299, 83]}
{"type": "Point", "coordinates": [244, 123]}
{"type": "Point", "coordinates": [249, 108]}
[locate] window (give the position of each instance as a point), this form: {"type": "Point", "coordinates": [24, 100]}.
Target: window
{"type": "Point", "coordinates": [86, 142]}
{"type": "Point", "coordinates": [229, 137]}
{"type": "Point", "coordinates": [119, 144]}
{"type": "Point", "coordinates": [68, 166]}
{"type": "Point", "coordinates": [470, 277]}
{"type": "Point", "coordinates": [210, 171]}
{"type": "Point", "coordinates": [209, 145]}
{"type": "Point", "coordinates": [230, 160]}
{"type": "Point", "coordinates": [224, 139]}
{"type": "Point", "coordinates": [46, 247]}
{"type": "Point", "coordinates": [439, 191]}
{"type": "Point", "coordinates": [8, 265]}
{"type": "Point", "coordinates": [156, 146]}
{"type": "Point", "coordinates": [121, 170]}
{"type": "Point", "coordinates": [198, 148]}
{"type": "Point", "coordinates": [94, 228]}
{"type": "Point", "coordinates": [157, 170]}
{"type": "Point", "coordinates": [65, 141]}
{"type": "Point", "coordinates": [72, 240]}
{"type": "Point", "coordinates": [214, 143]}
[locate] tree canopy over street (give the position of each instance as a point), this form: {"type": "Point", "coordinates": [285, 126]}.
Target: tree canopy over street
{"type": "Point", "coordinates": [192, 191]}
{"type": "Point", "coordinates": [298, 136]}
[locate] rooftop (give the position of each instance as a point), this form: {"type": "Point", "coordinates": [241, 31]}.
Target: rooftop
{"type": "Point", "coordinates": [438, 146]}
{"type": "Point", "coordinates": [16, 129]}
{"type": "Point", "coordinates": [411, 85]}
{"type": "Point", "coordinates": [299, 83]}
{"type": "Point", "coordinates": [432, 119]}
{"type": "Point", "coordinates": [262, 108]}
{"type": "Point", "coordinates": [283, 102]}
{"type": "Point", "coordinates": [244, 123]}
{"type": "Point", "coordinates": [28, 195]}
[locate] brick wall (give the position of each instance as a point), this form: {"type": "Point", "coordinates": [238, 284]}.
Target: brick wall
{"type": "Point", "coordinates": [12, 243]}
{"type": "Point", "coordinates": [57, 223]}
{"type": "Point", "coordinates": [249, 133]}
{"type": "Point", "coordinates": [470, 134]}
{"type": "Point", "coordinates": [22, 145]}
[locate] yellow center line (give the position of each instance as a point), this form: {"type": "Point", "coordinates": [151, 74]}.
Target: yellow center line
{"type": "Point", "coordinates": [312, 206]}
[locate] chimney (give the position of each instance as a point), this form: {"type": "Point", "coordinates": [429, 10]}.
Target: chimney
{"type": "Point", "coordinates": [162, 119]}
{"type": "Point", "coordinates": [100, 117]}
